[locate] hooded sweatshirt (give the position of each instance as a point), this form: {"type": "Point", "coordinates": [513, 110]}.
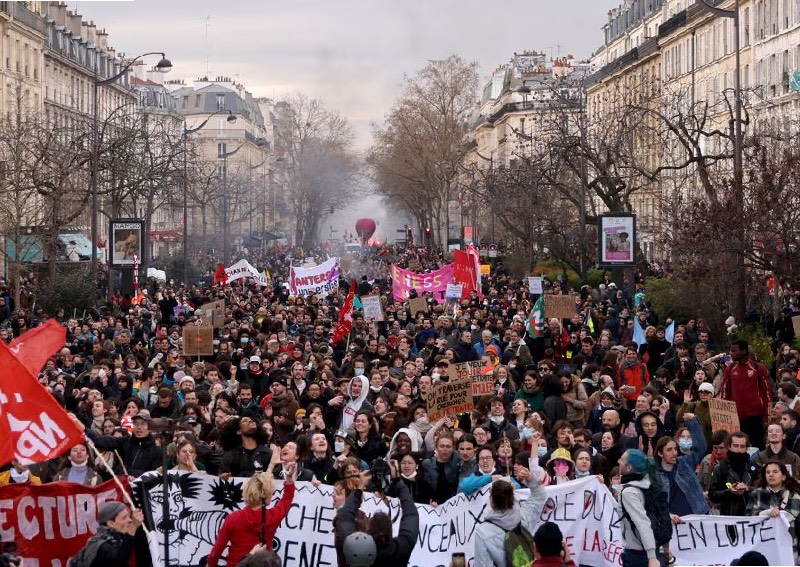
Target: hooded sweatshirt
{"type": "Point", "coordinates": [632, 500]}
{"type": "Point", "coordinates": [353, 405]}
{"type": "Point", "coordinates": [416, 441]}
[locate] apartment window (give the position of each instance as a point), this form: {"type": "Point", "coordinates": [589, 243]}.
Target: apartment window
{"type": "Point", "coordinates": [185, 101]}
{"type": "Point", "coordinates": [220, 102]}
{"type": "Point", "coordinates": [197, 101]}
{"type": "Point", "coordinates": [221, 149]}
{"type": "Point", "coordinates": [746, 30]}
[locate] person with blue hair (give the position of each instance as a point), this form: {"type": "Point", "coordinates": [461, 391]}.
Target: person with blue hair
{"type": "Point", "coordinates": [638, 470]}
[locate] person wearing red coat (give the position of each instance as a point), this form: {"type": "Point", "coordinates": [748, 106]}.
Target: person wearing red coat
{"type": "Point", "coordinates": [246, 528]}
{"type": "Point", "coordinates": [746, 382]}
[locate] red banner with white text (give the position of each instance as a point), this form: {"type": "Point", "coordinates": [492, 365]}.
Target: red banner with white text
{"type": "Point", "coordinates": [51, 523]}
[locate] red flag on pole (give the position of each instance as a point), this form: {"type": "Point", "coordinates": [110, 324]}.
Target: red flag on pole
{"type": "Point", "coordinates": [34, 347]}
{"type": "Point", "coordinates": [220, 276]}
{"type": "Point", "coordinates": [33, 427]}
{"type": "Point", "coordinates": [465, 274]}
{"type": "Point", "coordinates": [345, 323]}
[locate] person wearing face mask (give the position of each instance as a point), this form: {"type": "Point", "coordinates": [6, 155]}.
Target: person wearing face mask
{"type": "Point", "coordinates": [677, 462]}
{"type": "Point", "coordinates": [720, 442]}
{"type": "Point", "coordinates": [406, 467]}
{"type": "Point", "coordinates": [560, 467]}
{"type": "Point", "coordinates": [734, 477]}
{"type": "Point", "coordinates": [77, 468]}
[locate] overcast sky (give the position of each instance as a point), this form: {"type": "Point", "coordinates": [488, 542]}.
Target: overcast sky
{"type": "Point", "coordinates": [352, 54]}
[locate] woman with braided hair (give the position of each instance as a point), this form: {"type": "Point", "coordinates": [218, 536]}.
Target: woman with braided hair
{"type": "Point", "coordinates": [255, 523]}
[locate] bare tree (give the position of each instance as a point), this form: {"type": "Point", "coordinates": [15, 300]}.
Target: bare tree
{"type": "Point", "coordinates": [321, 167]}
{"type": "Point", "coordinates": [418, 149]}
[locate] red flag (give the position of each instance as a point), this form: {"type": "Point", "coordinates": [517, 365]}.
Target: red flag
{"type": "Point", "coordinates": [464, 273]}
{"type": "Point", "coordinates": [33, 427]}
{"type": "Point", "coordinates": [345, 323]}
{"type": "Point", "coordinates": [34, 347]}
{"type": "Point", "coordinates": [220, 276]}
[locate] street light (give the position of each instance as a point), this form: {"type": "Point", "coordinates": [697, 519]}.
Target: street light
{"type": "Point", "coordinates": [260, 142]}
{"type": "Point", "coordinates": [186, 131]}
{"type": "Point", "coordinates": [164, 66]}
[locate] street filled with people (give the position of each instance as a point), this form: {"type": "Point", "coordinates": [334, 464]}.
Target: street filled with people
{"type": "Point", "coordinates": [311, 390]}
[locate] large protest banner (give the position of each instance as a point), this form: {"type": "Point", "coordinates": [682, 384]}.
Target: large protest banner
{"type": "Point", "coordinates": [449, 398]}
{"type": "Point", "coordinates": [403, 281]}
{"type": "Point", "coordinates": [584, 509]}
{"type": "Point", "coordinates": [51, 523]}
{"type": "Point", "coordinates": [244, 269]}
{"type": "Point", "coordinates": [315, 280]}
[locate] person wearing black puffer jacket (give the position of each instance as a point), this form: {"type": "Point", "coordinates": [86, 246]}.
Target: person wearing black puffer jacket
{"type": "Point", "coordinates": [139, 452]}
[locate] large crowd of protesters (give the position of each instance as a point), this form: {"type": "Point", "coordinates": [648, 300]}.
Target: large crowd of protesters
{"type": "Point", "coordinates": [277, 395]}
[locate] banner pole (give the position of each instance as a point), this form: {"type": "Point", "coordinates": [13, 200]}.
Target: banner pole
{"type": "Point", "coordinates": [118, 482]}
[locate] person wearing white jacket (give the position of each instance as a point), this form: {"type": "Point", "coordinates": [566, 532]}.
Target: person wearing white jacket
{"type": "Point", "coordinates": [505, 514]}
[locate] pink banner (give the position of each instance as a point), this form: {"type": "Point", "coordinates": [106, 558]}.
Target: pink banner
{"type": "Point", "coordinates": [403, 281]}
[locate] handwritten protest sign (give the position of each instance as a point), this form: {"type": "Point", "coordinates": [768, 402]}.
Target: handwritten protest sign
{"type": "Point", "coordinates": [723, 415]}
{"type": "Point", "coordinates": [486, 269]}
{"type": "Point", "coordinates": [198, 341]}
{"type": "Point", "coordinates": [796, 325]}
{"type": "Point", "coordinates": [482, 384]}
{"type": "Point", "coordinates": [453, 291]}
{"type": "Point", "coordinates": [535, 285]}
{"type": "Point", "coordinates": [449, 398]}
{"type": "Point", "coordinates": [373, 310]}
{"type": "Point", "coordinates": [417, 305]}
{"type": "Point", "coordinates": [212, 314]}
{"type": "Point", "coordinates": [559, 306]}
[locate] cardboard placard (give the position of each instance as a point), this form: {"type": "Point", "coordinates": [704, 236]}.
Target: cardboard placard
{"type": "Point", "coordinates": [723, 415]}
{"type": "Point", "coordinates": [486, 269]}
{"type": "Point", "coordinates": [559, 306]}
{"type": "Point", "coordinates": [373, 310]}
{"type": "Point", "coordinates": [212, 314]}
{"type": "Point", "coordinates": [198, 341]}
{"type": "Point", "coordinates": [535, 285]}
{"type": "Point", "coordinates": [482, 384]}
{"type": "Point", "coordinates": [449, 398]}
{"type": "Point", "coordinates": [418, 304]}
{"type": "Point", "coordinates": [796, 325]}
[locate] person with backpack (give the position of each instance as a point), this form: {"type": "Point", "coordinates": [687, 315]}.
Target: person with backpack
{"type": "Point", "coordinates": [503, 538]}
{"type": "Point", "coordinates": [644, 510]}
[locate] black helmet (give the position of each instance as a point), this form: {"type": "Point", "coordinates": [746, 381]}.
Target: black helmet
{"type": "Point", "coordinates": [359, 550]}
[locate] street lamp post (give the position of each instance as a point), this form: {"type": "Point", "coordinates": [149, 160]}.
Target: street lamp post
{"type": "Point", "coordinates": [164, 65]}
{"type": "Point", "coordinates": [186, 131]}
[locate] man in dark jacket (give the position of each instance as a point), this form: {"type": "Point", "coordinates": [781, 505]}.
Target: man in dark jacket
{"type": "Point", "coordinates": [391, 552]}
{"type": "Point", "coordinates": [249, 454]}
{"type": "Point", "coordinates": [114, 541]}
{"type": "Point", "coordinates": [139, 452]}
{"type": "Point", "coordinates": [733, 478]}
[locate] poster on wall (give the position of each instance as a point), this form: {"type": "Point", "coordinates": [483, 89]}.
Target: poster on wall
{"type": "Point", "coordinates": [125, 242]}
{"type": "Point", "coordinates": [617, 239]}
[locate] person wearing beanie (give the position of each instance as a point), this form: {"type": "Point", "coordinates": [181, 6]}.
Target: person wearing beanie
{"type": "Point", "coordinates": [114, 541]}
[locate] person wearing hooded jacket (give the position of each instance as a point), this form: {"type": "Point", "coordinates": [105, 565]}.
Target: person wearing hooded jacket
{"type": "Point", "coordinates": [649, 430]}
{"type": "Point", "coordinates": [399, 445]}
{"type": "Point", "coordinates": [505, 514]}
{"type": "Point", "coordinates": [355, 400]}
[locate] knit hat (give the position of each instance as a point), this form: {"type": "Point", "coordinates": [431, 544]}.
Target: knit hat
{"type": "Point", "coordinates": [109, 511]}
{"type": "Point", "coordinates": [706, 387]}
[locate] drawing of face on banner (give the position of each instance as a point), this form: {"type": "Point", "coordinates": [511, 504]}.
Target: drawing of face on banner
{"type": "Point", "coordinates": [191, 527]}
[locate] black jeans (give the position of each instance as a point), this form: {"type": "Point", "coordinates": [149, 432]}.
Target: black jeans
{"type": "Point", "coordinates": [636, 558]}
{"type": "Point", "coordinates": [754, 427]}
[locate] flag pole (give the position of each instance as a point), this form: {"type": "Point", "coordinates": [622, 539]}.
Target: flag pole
{"type": "Point", "coordinates": [125, 494]}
